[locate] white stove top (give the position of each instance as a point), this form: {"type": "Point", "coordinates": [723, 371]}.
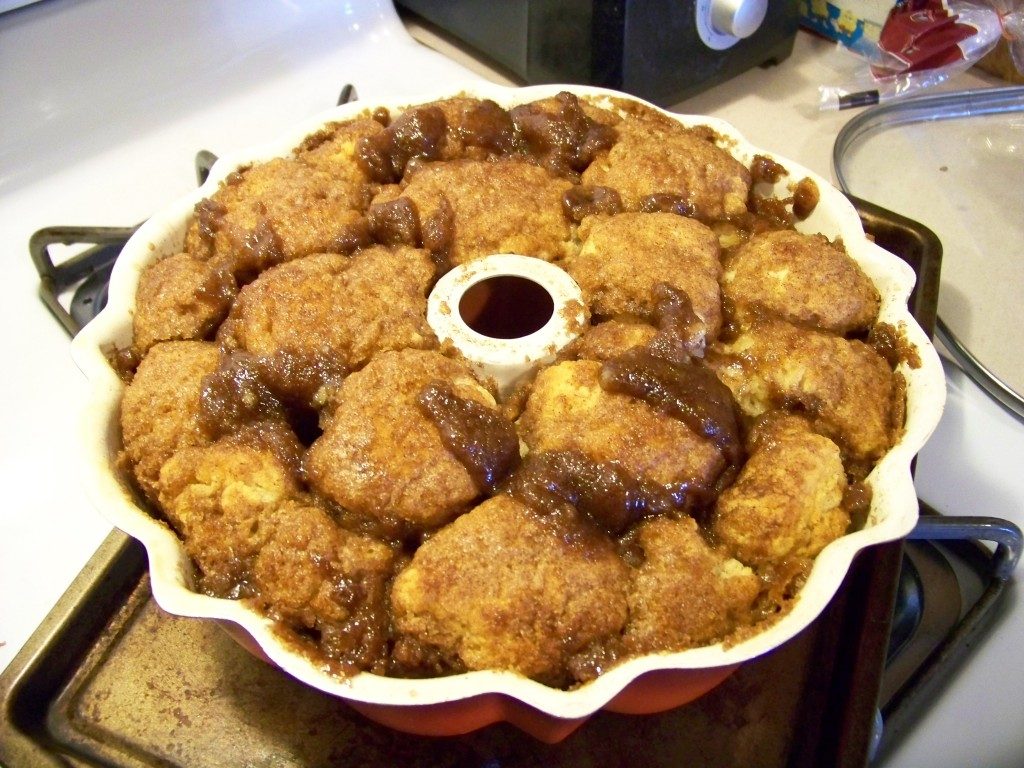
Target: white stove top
{"type": "Point", "coordinates": [104, 105]}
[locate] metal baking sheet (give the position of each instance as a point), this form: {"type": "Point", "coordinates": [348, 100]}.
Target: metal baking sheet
{"type": "Point", "coordinates": [109, 679]}
{"type": "Point", "coordinates": [157, 690]}
{"type": "Point", "coordinates": [115, 681]}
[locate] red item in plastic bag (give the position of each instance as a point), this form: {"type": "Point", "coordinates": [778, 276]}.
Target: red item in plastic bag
{"type": "Point", "coordinates": [923, 34]}
{"type": "Point", "coordinates": [924, 43]}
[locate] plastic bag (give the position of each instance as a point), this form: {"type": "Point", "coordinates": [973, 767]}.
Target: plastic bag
{"type": "Point", "coordinates": [924, 43]}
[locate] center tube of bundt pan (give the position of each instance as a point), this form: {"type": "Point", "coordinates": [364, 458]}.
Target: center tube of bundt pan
{"type": "Point", "coordinates": [506, 314]}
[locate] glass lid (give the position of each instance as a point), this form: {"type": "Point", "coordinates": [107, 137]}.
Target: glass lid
{"type": "Point", "coordinates": [955, 162]}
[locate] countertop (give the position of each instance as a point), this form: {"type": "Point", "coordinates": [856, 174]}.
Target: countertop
{"type": "Point", "coordinates": [72, 151]}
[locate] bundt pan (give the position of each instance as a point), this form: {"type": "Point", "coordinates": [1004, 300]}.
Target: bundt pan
{"type": "Point", "coordinates": [465, 702]}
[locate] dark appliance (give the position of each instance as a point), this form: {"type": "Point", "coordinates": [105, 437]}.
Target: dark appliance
{"type": "Point", "coordinates": [659, 50]}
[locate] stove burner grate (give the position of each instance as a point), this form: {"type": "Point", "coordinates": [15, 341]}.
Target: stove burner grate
{"type": "Point", "coordinates": [85, 275]}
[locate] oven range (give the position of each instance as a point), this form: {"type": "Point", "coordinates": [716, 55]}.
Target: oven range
{"type": "Point", "coordinates": [77, 152]}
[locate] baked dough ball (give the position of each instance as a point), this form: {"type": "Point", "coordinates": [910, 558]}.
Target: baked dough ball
{"type": "Point", "coordinates": [659, 156]}
{"type": "Point", "coordinates": [787, 501]}
{"type": "Point", "coordinates": [502, 206]}
{"type": "Point", "coordinates": [334, 149]}
{"type": "Point", "coordinates": [610, 339]}
{"type": "Point", "coordinates": [180, 298]}
{"type": "Point", "coordinates": [276, 211]}
{"type": "Point", "coordinates": [475, 128]}
{"type": "Point", "coordinates": [843, 386]}
{"type": "Point", "coordinates": [684, 593]}
{"type": "Point", "coordinates": [217, 496]}
{"type": "Point", "coordinates": [480, 129]}
{"type": "Point", "coordinates": [504, 587]}
{"type": "Point", "coordinates": [380, 455]}
{"type": "Point", "coordinates": [563, 133]}
{"type": "Point", "coordinates": [160, 409]}
{"type": "Point", "coordinates": [624, 257]}
{"type": "Point", "coordinates": [555, 106]}
{"type": "Point", "coordinates": [315, 575]}
{"type": "Point", "coordinates": [804, 279]}
{"type": "Point", "coordinates": [569, 410]}
{"type": "Point", "coordinates": [330, 312]}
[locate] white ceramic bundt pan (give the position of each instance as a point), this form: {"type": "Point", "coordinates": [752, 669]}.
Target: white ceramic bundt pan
{"type": "Point", "coordinates": [440, 705]}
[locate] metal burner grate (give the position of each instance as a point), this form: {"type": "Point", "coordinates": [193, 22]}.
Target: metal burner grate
{"type": "Point", "coordinates": [85, 275]}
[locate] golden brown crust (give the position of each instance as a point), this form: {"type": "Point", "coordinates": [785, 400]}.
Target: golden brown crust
{"type": "Point", "coordinates": [663, 157]}
{"type": "Point", "coordinates": [380, 455]}
{"type": "Point", "coordinates": [502, 588]}
{"type": "Point", "coordinates": [787, 501]}
{"type": "Point", "coordinates": [276, 211]}
{"type": "Point", "coordinates": [305, 556]}
{"type": "Point", "coordinates": [338, 307]}
{"type": "Point", "coordinates": [252, 532]}
{"type": "Point", "coordinates": [333, 149]}
{"type": "Point", "coordinates": [843, 386]}
{"type": "Point", "coordinates": [569, 410]}
{"type": "Point", "coordinates": [160, 410]}
{"type": "Point", "coordinates": [217, 497]}
{"type": "Point", "coordinates": [458, 122]}
{"type": "Point", "coordinates": [684, 593]}
{"type": "Point", "coordinates": [313, 574]}
{"type": "Point", "coordinates": [180, 298]}
{"type": "Point", "coordinates": [610, 339]}
{"type": "Point", "coordinates": [552, 105]}
{"type": "Point", "coordinates": [502, 206]}
{"type": "Point", "coordinates": [678, 251]}
{"type": "Point", "coordinates": [804, 279]}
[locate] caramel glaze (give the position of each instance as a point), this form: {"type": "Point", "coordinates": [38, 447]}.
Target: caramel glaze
{"type": "Point", "coordinates": [484, 441]}
{"type": "Point", "coordinates": [247, 389]}
{"type": "Point", "coordinates": [415, 133]}
{"type": "Point", "coordinates": [361, 640]}
{"type": "Point", "coordinates": [612, 498]}
{"type": "Point", "coordinates": [124, 362]}
{"type": "Point", "coordinates": [580, 201]}
{"type": "Point", "coordinates": [685, 391]}
{"type": "Point", "coordinates": [437, 233]}
{"type": "Point", "coordinates": [680, 331]}
{"type": "Point", "coordinates": [397, 222]}
{"type": "Point", "coordinates": [780, 212]}
{"type": "Point", "coordinates": [564, 141]}
{"type": "Point", "coordinates": [208, 213]}
{"type": "Point", "coordinates": [857, 503]}
{"type": "Point", "coordinates": [765, 170]}
{"type": "Point", "coordinates": [893, 346]}
{"type": "Point", "coordinates": [666, 375]}
{"type": "Point", "coordinates": [490, 127]}
{"type": "Point", "coordinates": [236, 394]}
{"type": "Point", "coordinates": [665, 202]}
{"type": "Point", "coordinates": [258, 249]}
{"type": "Point", "coordinates": [806, 196]}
